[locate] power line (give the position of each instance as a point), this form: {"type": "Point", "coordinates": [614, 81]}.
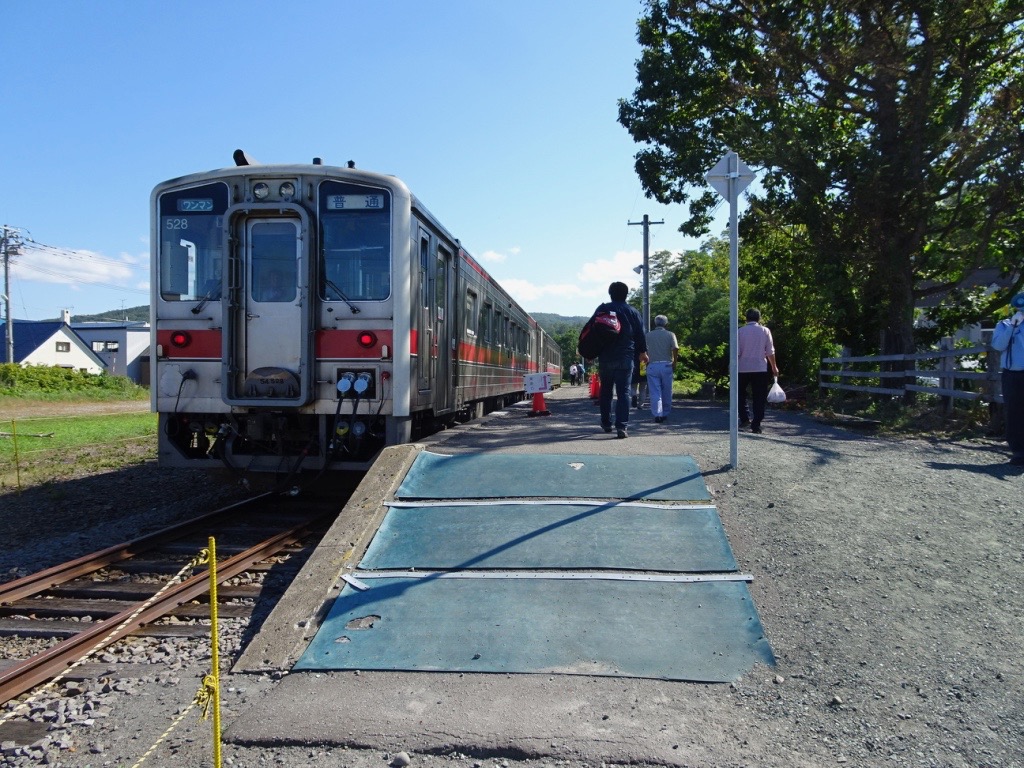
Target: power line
{"type": "Point", "coordinates": [81, 280]}
{"type": "Point", "coordinates": [34, 245]}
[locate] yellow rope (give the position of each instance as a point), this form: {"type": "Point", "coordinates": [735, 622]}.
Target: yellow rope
{"type": "Point", "coordinates": [201, 558]}
{"type": "Point", "coordinates": [209, 691]}
{"type": "Point", "coordinates": [201, 699]}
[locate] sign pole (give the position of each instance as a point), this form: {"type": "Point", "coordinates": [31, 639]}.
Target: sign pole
{"type": "Point", "coordinates": [729, 177]}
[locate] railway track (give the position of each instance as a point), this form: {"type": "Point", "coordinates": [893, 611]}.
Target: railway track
{"type": "Point", "coordinates": [77, 608]}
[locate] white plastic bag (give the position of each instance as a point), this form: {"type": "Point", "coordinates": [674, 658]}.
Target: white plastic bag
{"type": "Point", "coordinates": [775, 394]}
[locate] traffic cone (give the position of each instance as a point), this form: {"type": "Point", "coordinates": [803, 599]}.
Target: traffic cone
{"type": "Point", "coordinates": [539, 407]}
{"type": "Point", "coordinates": [595, 386]}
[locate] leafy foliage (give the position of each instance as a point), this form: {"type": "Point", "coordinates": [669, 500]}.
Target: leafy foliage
{"type": "Point", "coordinates": [888, 136]}
{"type": "Point", "coordinates": [50, 381]}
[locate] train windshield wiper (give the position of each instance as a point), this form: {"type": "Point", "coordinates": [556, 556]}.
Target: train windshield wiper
{"type": "Point", "coordinates": [333, 286]}
{"type": "Point", "coordinates": [202, 302]}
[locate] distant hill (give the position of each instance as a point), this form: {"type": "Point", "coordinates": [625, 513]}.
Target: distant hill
{"type": "Point", "coordinates": [555, 323]}
{"type": "Point", "coordinates": [130, 315]}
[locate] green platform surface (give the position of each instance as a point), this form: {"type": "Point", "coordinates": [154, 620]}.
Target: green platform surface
{"type": "Point", "coordinates": [635, 585]}
{"type": "Point", "coordinates": [584, 476]}
{"type": "Point", "coordinates": [707, 632]}
{"type": "Point", "coordinates": [613, 535]}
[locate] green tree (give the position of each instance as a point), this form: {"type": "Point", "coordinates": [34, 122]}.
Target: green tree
{"type": "Point", "coordinates": [692, 290]}
{"type": "Point", "coordinates": [567, 336]}
{"type": "Point", "coordinates": [889, 135]}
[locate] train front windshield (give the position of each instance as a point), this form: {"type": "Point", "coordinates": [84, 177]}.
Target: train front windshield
{"type": "Point", "coordinates": [192, 242]}
{"type": "Point", "coordinates": [355, 242]}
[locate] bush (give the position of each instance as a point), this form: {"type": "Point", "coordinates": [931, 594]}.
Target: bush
{"type": "Point", "coordinates": [43, 381]}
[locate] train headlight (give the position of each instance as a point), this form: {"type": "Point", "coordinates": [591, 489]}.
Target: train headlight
{"type": "Point", "coordinates": [261, 191]}
{"type": "Point", "coordinates": [180, 339]}
{"type": "Point", "coordinates": [287, 189]}
{"type": "Point", "coordinates": [367, 339]}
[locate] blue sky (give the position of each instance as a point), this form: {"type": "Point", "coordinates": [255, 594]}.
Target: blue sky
{"type": "Point", "coordinates": [500, 116]}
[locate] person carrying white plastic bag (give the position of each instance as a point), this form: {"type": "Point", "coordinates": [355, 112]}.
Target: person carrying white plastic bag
{"type": "Point", "coordinates": [756, 359]}
{"type": "Point", "coordinates": [776, 393]}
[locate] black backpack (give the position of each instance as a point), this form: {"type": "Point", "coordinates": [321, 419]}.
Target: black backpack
{"type": "Point", "coordinates": [599, 333]}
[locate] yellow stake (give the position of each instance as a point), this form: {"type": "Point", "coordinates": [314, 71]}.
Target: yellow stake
{"type": "Point", "coordinates": [215, 653]}
{"type": "Point", "coordinates": [17, 464]}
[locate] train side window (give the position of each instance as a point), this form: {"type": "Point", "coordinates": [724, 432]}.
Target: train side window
{"type": "Point", "coordinates": [424, 272]}
{"type": "Point", "coordinates": [470, 314]}
{"type": "Point", "coordinates": [441, 285]}
{"type": "Point", "coordinates": [485, 323]}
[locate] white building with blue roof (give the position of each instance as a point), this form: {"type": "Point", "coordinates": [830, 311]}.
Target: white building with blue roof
{"type": "Point", "coordinates": [50, 342]}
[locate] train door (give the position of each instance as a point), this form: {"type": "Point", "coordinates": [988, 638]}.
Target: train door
{"type": "Point", "coordinates": [270, 339]}
{"type": "Point", "coordinates": [444, 330]}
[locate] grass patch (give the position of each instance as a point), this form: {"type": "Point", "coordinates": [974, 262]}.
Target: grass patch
{"type": "Point", "coordinates": [37, 450]}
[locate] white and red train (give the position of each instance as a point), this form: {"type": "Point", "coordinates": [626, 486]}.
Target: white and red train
{"type": "Point", "coordinates": [306, 316]}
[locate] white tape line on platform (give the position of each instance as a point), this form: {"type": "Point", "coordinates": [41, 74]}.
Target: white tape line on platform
{"type": "Point", "coordinates": [568, 575]}
{"type": "Point", "coordinates": [546, 502]}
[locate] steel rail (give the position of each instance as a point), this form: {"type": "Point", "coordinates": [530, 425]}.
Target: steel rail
{"type": "Point", "coordinates": [40, 581]}
{"type": "Point", "coordinates": [48, 664]}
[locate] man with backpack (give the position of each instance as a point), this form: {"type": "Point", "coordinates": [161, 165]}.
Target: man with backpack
{"type": "Point", "coordinates": [615, 358]}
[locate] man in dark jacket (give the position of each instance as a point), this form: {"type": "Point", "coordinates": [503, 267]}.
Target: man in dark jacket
{"type": "Point", "coordinates": [615, 364]}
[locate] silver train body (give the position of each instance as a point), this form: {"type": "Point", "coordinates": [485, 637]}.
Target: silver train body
{"type": "Point", "coordinates": [306, 316]}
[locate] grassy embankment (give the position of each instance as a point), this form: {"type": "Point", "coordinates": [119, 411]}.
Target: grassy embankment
{"type": "Point", "coordinates": [53, 425]}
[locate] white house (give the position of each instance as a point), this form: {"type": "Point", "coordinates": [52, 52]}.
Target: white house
{"type": "Point", "coordinates": [50, 342]}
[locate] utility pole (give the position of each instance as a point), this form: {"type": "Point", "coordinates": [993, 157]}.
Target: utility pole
{"type": "Point", "coordinates": [646, 267]}
{"type": "Point", "coordinates": [9, 242]}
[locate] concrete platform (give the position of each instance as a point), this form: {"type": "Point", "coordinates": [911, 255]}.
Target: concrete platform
{"type": "Point", "coordinates": [596, 718]}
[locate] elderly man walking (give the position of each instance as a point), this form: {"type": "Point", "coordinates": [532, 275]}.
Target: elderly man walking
{"type": "Point", "coordinates": [756, 367]}
{"type": "Point", "coordinates": [663, 350]}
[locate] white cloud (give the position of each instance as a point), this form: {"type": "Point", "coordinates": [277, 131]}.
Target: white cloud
{"type": "Point", "coordinates": [589, 289]}
{"type": "Point", "coordinates": [619, 267]}
{"type": "Point", "coordinates": [493, 257]}
{"type": "Point", "coordinates": [79, 270]}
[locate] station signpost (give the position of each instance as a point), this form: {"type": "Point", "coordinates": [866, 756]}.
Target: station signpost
{"type": "Point", "coordinates": [729, 177]}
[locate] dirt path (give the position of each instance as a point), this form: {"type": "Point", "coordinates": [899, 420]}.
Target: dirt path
{"type": "Point", "coordinates": [18, 408]}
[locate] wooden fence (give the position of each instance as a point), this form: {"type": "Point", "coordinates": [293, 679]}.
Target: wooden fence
{"type": "Point", "coordinates": [965, 373]}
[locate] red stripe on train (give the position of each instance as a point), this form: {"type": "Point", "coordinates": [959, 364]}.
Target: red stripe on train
{"type": "Point", "coordinates": [345, 344]}
{"type": "Point", "coordinates": [198, 344]}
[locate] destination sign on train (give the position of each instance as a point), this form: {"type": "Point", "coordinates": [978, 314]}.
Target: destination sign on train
{"type": "Point", "coordinates": [186, 205]}
{"type": "Point", "coordinates": [354, 202]}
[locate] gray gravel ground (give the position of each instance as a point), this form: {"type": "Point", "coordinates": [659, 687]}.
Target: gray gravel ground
{"type": "Point", "coordinates": [888, 576]}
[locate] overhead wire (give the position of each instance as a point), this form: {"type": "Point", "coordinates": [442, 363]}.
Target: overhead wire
{"type": "Point", "coordinates": [70, 253]}
{"type": "Point", "coordinates": [82, 280]}
{"type": "Point", "coordinates": [83, 256]}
